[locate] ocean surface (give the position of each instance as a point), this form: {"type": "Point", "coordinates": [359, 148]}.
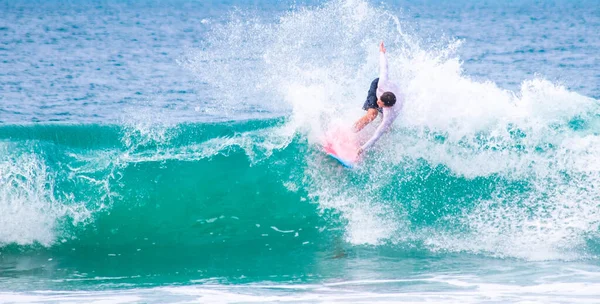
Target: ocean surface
{"type": "Point", "coordinates": [162, 151]}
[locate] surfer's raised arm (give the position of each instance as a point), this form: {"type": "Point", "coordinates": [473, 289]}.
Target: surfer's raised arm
{"type": "Point", "coordinates": [383, 64]}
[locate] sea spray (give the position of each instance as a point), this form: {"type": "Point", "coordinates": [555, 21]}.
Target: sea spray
{"type": "Point", "coordinates": [508, 150]}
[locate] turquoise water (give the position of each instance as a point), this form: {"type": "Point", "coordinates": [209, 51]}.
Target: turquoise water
{"type": "Point", "coordinates": [168, 152]}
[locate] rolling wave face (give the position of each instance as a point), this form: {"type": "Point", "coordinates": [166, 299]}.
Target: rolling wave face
{"type": "Point", "coordinates": [111, 187]}
{"type": "Point", "coordinates": [215, 197]}
{"type": "Point", "coordinates": [208, 186]}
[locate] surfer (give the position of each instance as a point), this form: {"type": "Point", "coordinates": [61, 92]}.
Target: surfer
{"type": "Point", "coordinates": [383, 97]}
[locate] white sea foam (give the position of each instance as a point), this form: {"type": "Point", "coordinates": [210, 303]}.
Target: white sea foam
{"type": "Point", "coordinates": [459, 289]}
{"type": "Point", "coordinates": [31, 210]}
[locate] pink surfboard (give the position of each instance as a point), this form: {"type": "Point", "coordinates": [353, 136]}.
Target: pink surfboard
{"type": "Point", "coordinates": [341, 145]}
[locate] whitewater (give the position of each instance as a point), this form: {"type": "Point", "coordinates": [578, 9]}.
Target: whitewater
{"type": "Point", "coordinates": [170, 152]}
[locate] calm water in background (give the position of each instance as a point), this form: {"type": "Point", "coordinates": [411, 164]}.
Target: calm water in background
{"type": "Point", "coordinates": [166, 151]}
{"type": "Point", "coordinates": [84, 61]}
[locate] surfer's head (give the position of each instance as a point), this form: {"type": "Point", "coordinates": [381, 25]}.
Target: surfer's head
{"type": "Point", "coordinates": [387, 99]}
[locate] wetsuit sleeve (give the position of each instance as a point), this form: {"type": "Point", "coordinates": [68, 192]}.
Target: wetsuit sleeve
{"type": "Point", "coordinates": [384, 126]}
{"type": "Point", "coordinates": [383, 67]}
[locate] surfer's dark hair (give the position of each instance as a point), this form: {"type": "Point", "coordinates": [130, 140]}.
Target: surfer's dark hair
{"type": "Point", "coordinates": [388, 99]}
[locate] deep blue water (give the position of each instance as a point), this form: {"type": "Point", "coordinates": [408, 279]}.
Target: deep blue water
{"type": "Point", "coordinates": [84, 61]}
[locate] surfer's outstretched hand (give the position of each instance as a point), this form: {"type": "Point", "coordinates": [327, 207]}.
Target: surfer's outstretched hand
{"type": "Point", "coordinates": [359, 151]}
{"type": "Point", "coordinates": [382, 47]}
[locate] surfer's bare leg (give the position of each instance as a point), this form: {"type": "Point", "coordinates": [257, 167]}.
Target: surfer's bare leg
{"type": "Point", "coordinates": [370, 106]}
{"type": "Point", "coordinates": [366, 119]}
